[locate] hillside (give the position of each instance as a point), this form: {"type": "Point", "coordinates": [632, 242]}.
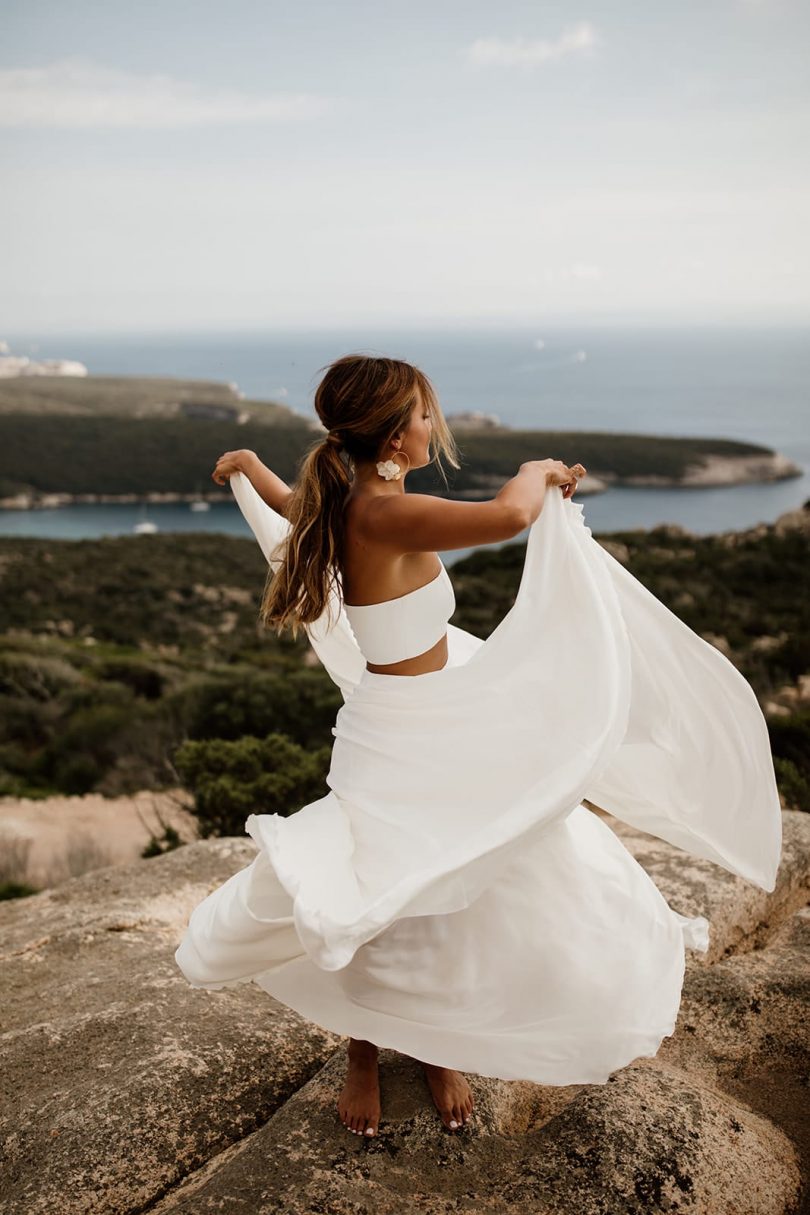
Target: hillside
{"type": "Point", "coordinates": [113, 652]}
{"type": "Point", "coordinates": [137, 397]}
{"type": "Point", "coordinates": [52, 460]}
{"type": "Point", "coordinates": [106, 438]}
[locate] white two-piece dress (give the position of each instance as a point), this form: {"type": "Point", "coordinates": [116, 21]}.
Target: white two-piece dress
{"type": "Point", "coordinates": [450, 896]}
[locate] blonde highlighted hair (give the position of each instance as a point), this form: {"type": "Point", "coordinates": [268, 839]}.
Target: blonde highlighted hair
{"type": "Point", "coordinates": [362, 401]}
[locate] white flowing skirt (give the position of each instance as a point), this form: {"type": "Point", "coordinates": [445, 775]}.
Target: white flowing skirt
{"type": "Point", "coordinates": [450, 896]}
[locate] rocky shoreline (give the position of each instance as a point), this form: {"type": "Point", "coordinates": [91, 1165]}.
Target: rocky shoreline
{"type": "Point", "coordinates": [48, 501]}
{"type": "Point", "coordinates": [713, 472]}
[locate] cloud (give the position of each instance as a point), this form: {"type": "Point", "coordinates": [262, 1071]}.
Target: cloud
{"type": "Point", "coordinates": [77, 94]}
{"type": "Point", "coordinates": [574, 40]}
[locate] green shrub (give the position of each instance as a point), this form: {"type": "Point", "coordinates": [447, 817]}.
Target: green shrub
{"type": "Point", "coordinates": [232, 779]}
{"type": "Point", "coordinates": [790, 744]}
{"type": "Point", "coordinates": [138, 675]}
{"type": "Point", "coordinates": [794, 787]}
{"type": "Point", "coordinates": [16, 890]}
{"type": "Point", "coordinates": [302, 706]}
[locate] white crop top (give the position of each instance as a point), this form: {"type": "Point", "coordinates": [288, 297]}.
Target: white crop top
{"type": "Point", "coordinates": [403, 627]}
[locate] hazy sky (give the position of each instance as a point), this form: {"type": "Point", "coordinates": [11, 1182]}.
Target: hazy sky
{"type": "Point", "coordinates": [218, 165]}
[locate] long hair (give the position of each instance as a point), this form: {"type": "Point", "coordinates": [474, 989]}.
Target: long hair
{"type": "Point", "coordinates": [366, 401]}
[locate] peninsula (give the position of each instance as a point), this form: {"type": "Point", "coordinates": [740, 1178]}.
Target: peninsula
{"type": "Point", "coordinates": [84, 439]}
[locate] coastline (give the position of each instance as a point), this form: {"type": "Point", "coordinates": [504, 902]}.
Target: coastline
{"type": "Point", "coordinates": [713, 472]}
{"type": "Point", "coordinates": [47, 501]}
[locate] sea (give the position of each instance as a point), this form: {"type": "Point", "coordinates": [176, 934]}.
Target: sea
{"type": "Point", "coordinates": [751, 384]}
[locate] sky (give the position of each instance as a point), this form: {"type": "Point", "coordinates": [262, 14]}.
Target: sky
{"type": "Point", "coordinates": [214, 167]}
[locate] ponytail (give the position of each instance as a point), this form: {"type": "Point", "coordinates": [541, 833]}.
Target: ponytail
{"type": "Point", "coordinates": [298, 592]}
{"type": "Point", "coordinates": [362, 401]}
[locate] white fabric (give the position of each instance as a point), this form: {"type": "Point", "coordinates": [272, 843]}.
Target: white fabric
{"type": "Point", "coordinates": [450, 896]}
{"type": "Point", "coordinates": [400, 628]}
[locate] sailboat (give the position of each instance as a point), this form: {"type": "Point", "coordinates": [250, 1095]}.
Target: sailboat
{"type": "Point", "coordinates": [199, 502]}
{"type": "Point", "coordinates": [144, 526]}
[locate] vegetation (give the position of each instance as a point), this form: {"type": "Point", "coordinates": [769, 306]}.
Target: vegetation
{"type": "Point", "coordinates": [138, 662]}
{"type": "Point", "coordinates": [104, 455]}
{"type": "Point", "coordinates": [230, 780]}
{"type": "Point", "coordinates": [120, 455]}
{"type": "Point", "coordinates": [114, 651]}
{"type": "Point", "coordinates": [131, 397]}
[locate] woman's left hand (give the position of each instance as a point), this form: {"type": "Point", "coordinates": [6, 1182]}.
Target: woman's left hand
{"type": "Point", "coordinates": [577, 471]}
{"type": "Point", "coordinates": [231, 462]}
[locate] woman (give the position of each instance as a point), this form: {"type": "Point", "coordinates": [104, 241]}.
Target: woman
{"type": "Point", "coordinates": [451, 897]}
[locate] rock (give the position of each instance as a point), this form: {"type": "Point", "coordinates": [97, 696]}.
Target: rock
{"type": "Point", "coordinates": [741, 916]}
{"type": "Point", "coordinates": [126, 1089]}
{"type": "Point", "coordinates": [743, 1025]}
{"type": "Point", "coordinates": [653, 1140]}
{"type": "Point", "coordinates": [719, 642]}
{"type": "Point", "coordinates": [118, 1078]}
{"type": "Point", "coordinates": [765, 643]}
{"type": "Point", "coordinates": [793, 520]}
{"type": "Point", "coordinates": [619, 551]}
{"type": "Point", "coordinates": [741, 470]}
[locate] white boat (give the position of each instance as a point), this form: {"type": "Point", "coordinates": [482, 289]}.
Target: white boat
{"type": "Point", "coordinates": [144, 526]}
{"type": "Point", "coordinates": [200, 504]}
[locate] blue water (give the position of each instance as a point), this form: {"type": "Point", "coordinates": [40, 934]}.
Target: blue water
{"type": "Point", "coordinates": [748, 384]}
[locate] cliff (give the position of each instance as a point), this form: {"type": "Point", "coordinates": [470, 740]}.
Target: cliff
{"type": "Point", "coordinates": [127, 1090]}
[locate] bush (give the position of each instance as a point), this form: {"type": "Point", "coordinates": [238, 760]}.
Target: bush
{"type": "Point", "coordinates": [794, 788]}
{"type": "Point", "coordinates": [88, 746]}
{"type": "Point", "coordinates": [790, 743]}
{"type": "Point", "coordinates": [138, 675]}
{"type": "Point", "coordinates": [232, 779]}
{"type": "Point", "coordinates": [303, 706]}
{"type": "Point", "coordinates": [16, 890]}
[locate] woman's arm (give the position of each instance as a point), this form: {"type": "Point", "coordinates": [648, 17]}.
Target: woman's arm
{"type": "Point", "coordinates": [268, 486]}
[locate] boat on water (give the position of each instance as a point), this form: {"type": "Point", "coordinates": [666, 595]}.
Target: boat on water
{"type": "Point", "coordinates": [198, 502]}
{"type": "Point", "coordinates": [144, 526]}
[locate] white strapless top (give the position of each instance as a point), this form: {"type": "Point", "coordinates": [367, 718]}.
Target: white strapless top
{"type": "Point", "coordinates": [403, 627]}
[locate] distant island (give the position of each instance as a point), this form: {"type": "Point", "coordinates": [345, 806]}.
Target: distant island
{"type": "Point", "coordinates": [75, 438]}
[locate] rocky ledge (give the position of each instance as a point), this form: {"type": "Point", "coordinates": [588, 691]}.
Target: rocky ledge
{"type": "Point", "coordinates": [710, 472]}
{"type": "Point", "coordinates": [126, 1090]}
{"type": "Point", "coordinates": [726, 470]}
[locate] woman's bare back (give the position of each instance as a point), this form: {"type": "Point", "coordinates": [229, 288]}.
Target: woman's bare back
{"type": "Point", "coordinates": [375, 571]}
{"type": "Point", "coordinates": [391, 540]}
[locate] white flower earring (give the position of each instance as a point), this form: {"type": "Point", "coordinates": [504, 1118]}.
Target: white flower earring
{"type": "Point", "coordinates": [390, 469]}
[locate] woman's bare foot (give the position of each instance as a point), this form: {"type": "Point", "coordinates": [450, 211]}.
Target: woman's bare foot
{"type": "Point", "coordinates": [451, 1094]}
{"type": "Point", "coordinates": [359, 1102]}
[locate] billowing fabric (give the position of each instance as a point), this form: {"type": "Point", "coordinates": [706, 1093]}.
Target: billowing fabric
{"type": "Point", "coordinates": [406, 626]}
{"type": "Point", "coordinates": [450, 896]}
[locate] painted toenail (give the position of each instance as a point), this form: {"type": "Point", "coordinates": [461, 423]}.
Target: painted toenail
{"type": "Point", "coordinates": [369, 1131]}
{"type": "Point", "coordinates": [454, 1123]}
